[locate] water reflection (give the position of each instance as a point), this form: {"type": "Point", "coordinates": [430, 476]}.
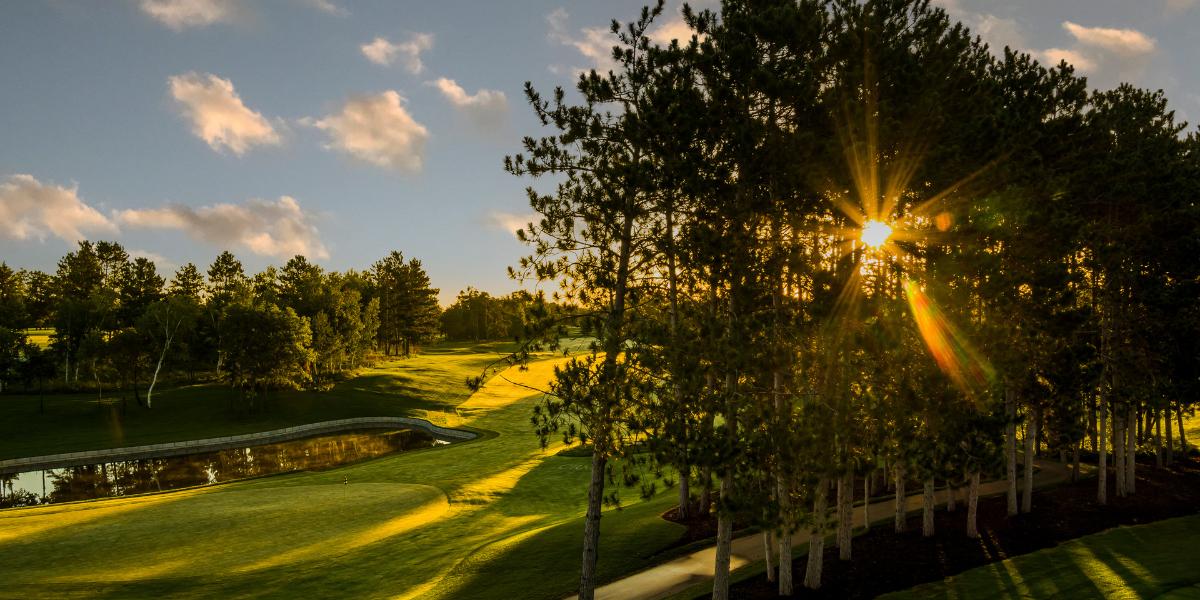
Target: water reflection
{"type": "Point", "coordinates": [158, 474]}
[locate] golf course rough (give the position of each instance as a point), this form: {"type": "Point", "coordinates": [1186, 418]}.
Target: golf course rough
{"type": "Point", "coordinates": [494, 517]}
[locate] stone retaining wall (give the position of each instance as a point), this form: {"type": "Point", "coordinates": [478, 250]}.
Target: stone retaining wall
{"type": "Point", "coordinates": [90, 457]}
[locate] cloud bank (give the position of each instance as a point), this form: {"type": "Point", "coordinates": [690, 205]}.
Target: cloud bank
{"type": "Point", "coordinates": [382, 52]}
{"type": "Point", "coordinates": [32, 209]}
{"type": "Point", "coordinates": [181, 14]}
{"type": "Point", "coordinates": [280, 229]}
{"type": "Point", "coordinates": [378, 130]}
{"type": "Point", "coordinates": [487, 110]}
{"type": "Point", "coordinates": [218, 115]}
{"type": "Point", "coordinates": [595, 44]}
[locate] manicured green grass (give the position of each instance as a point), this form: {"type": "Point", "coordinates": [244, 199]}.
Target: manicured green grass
{"type": "Point", "coordinates": [428, 386]}
{"type": "Point", "coordinates": [1147, 561]}
{"type": "Point", "coordinates": [495, 517]}
{"type": "Point", "coordinates": [41, 337]}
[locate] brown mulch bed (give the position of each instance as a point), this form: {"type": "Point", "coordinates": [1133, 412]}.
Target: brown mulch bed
{"type": "Point", "coordinates": [885, 561]}
{"type": "Point", "coordinates": [698, 528]}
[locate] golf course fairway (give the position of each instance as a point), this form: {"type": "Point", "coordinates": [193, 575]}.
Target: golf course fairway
{"type": "Point", "coordinates": [493, 517]}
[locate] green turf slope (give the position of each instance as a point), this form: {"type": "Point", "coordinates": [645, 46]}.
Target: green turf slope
{"type": "Point", "coordinates": [492, 518]}
{"type": "Point", "coordinates": [429, 386]}
{"type": "Point", "coordinates": [1158, 560]}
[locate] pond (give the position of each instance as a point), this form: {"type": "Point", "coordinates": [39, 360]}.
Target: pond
{"type": "Point", "coordinates": [205, 468]}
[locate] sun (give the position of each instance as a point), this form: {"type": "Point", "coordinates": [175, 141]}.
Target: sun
{"type": "Point", "coordinates": [876, 233]}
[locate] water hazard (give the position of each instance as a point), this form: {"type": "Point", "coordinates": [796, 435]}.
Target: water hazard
{"type": "Point", "coordinates": [124, 478]}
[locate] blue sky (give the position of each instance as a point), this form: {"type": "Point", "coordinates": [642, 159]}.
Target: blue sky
{"type": "Point", "coordinates": [345, 130]}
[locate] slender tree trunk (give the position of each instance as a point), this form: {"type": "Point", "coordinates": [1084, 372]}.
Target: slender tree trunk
{"type": "Point", "coordinates": [951, 497]}
{"type": "Point", "coordinates": [867, 499]}
{"type": "Point", "coordinates": [901, 519]}
{"type": "Point", "coordinates": [769, 552]}
{"type": "Point", "coordinates": [927, 512]}
{"type": "Point", "coordinates": [816, 542]}
{"type": "Point", "coordinates": [684, 492]}
{"type": "Point", "coordinates": [591, 528]}
{"type": "Point", "coordinates": [1102, 453]}
{"type": "Point", "coordinates": [724, 542]}
{"type": "Point", "coordinates": [706, 493]}
{"type": "Point", "coordinates": [845, 514]}
{"type": "Point", "coordinates": [1183, 447]}
{"type": "Point", "coordinates": [154, 379]}
{"type": "Point", "coordinates": [1170, 438]}
{"type": "Point", "coordinates": [1031, 424]}
{"type": "Point", "coordinates": [973, 506]}
{"type": "Point", "coordinates": [783, 491]}
{"type": "Point", "coordinates": [1158, 441]}
{"type": "Point", "coordinates": [1092, 419]}
{"type": "Point", "coordinates": [1077, 451]}
{"type": "Point", "coordinates": [1119, 450]}
{"type": "Point", "coordinates": [1131, 458]}
{"type": "Point", "coordinates": [1010, 448]}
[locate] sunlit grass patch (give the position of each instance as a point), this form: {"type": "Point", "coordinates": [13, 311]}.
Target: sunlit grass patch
{"type": "Point", "coordinates": [1145, 561]}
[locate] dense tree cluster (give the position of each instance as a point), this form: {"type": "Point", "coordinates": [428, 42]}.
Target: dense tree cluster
{"type": "Point", "coordinates": [477, 316]}
{"type": "Point", "coordinates": [828, 242]}
{"type": "Point", "coordinates": [116, 321]}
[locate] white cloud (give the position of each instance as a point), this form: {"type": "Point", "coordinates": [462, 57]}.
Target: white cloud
{"type": "Point", "coordinates": [280, 229]}
{"type": "Point", "coordinates": [675, 29]}
{"type": "Point", "coordinates": [487, 110]}
{"type": "Point", "coordinates": [326, 6]}
{"type": "Point", "coordinates": [1128, 42]}
{"type": "Point", "coordinates": [595, 44]}
{"type": "Point", "coordinates": [378, 130]}
{"type": "Point", "coordinates": [30, 208]}
{"type": "Point", "coordinates": [511, 222]}
{"type": "Point", "coordinates": [217, 114]}
{"type": "Point", "coordinates": [180, 14]}
{"type": "Point", "coordinates": [383, 52]}
{"type": "Point", "coordinates": [1051, 57]}
{"type": "Point", "coordinates": [162, 265]}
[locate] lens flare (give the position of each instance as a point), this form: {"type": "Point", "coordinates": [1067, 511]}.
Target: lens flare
{"type": "Point", "coordinates": [876, 233]}
{"type": "Point", "coordinates": [949, 348]}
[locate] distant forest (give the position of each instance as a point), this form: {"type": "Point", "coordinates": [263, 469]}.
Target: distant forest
{"type": "Point", "coordinates": [115, 321]}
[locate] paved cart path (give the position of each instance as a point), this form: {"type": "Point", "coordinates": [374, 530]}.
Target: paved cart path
{"type": "Point", "coordinates": [686, 571]}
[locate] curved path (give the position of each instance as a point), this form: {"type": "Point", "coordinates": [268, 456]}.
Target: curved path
{"type": "Point", "coordinates": [693, 569]}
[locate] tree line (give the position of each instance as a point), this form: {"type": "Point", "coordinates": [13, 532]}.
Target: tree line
{"type": "Point", "coordinates": [117, 322]}
{"type": "Point", "coordinates": [824, 242]}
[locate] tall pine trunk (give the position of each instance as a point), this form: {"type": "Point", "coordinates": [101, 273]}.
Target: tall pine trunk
{"type": "Point", "coordinates": [1131, 457]}
{"type": "Point", "coordinates": [1010, 448]}
{"type": "Point", "coordinates": [845, 514]}
{"type": "Point", "coordinates": [724, 541]}
{"type": "Point", "coordinates": [1031, 425]}
{"type": "Point", "coordinates": [1119, 450]}
{"type": "Point", "coordinates": [591, 528]}
{"type": "Point", "coordinates": [1182, 435]}
{"type": "Point", "coordinates": [785, 502]}
{"type": "Point", "coordinates": [1102, 459]}
{"type": "Point", "coordinates": [816, 542]}
{"type": "Point", "coordinates": [867, 498]}
{"type": "Point", "coordinates": [901, 519]}
{"type": "Point", "coordinates": [1170, 438]}
{"type": "Point", "coordinates": [1158, 441]}
{"type": "Point", "coordinates": [973, 506]}
{"type": "Point", "coordinates": [927, 509]}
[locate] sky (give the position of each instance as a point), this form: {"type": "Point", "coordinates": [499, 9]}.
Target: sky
{"type": "Point", "coordinates": [345, 130]}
